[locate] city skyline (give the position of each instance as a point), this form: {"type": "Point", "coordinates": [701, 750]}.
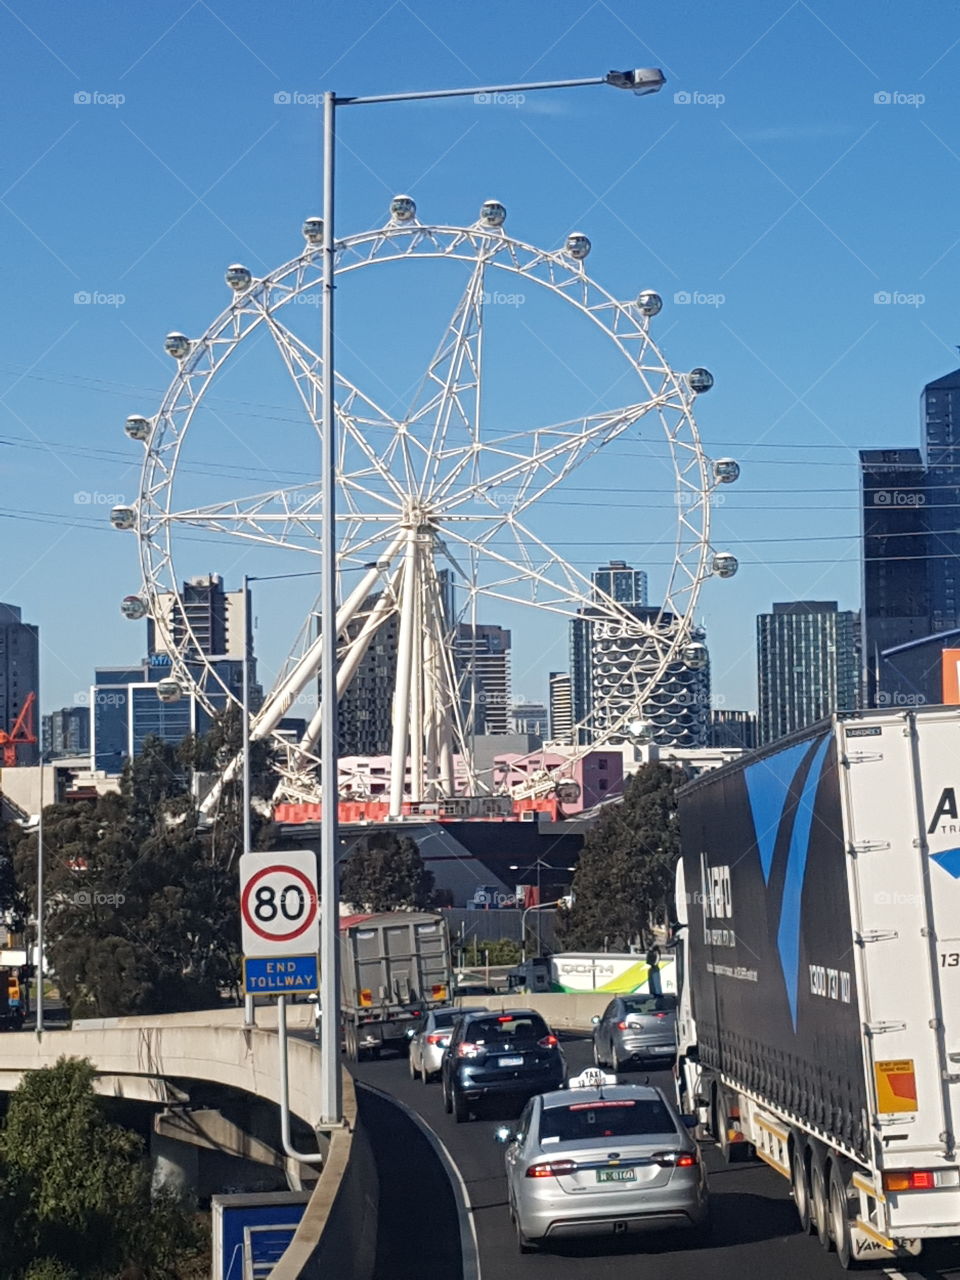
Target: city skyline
{"type": "Point", "coordinates": [792, 402]}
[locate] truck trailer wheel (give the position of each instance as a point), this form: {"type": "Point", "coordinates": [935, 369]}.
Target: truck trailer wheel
{"type": "Point", "coordinates": [819, 1200]}
{"type": "Point", "coordinates": [800, 1186]}
{"type": "Point", "coordinates": [839, 1202]}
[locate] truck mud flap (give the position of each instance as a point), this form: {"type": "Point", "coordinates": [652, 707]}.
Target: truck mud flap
{"type": "Point", "coordinates": [869, 1245]}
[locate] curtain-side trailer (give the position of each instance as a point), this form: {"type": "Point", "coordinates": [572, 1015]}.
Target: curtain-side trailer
{"type": "Point", "coordinates": [818, 896]}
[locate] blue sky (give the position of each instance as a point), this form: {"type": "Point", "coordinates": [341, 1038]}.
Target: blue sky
{"type": "Point", "coordinates": [801, 166]}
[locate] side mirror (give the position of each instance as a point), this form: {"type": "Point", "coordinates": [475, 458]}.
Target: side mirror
{"type": "Point", "coordinates": [504, 1135]}
{"type": "Point", "coordinates": [690, 1121]}
{"type": "Point", "coordinates": [596, 1019]}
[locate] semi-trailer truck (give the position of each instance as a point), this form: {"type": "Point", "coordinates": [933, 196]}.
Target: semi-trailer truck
{"type": "Point", "coordinates": [393, 967]}
{"type": "Point", "coordinates": [818, 948]}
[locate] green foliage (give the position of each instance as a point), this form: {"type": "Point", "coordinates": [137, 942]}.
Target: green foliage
{"type": "Point", "coordinates": [385, 872]}
{"type": "Point", "coordinates": [77, 1189]}
{"type": "Point", "coordinates": [501, 951]}
{"type": "Point", "coordinates": [142, 904]}
{"type": "Point", "coordinates": [13, 905]}
{"type": "Point", "coordinates": [626, 867]}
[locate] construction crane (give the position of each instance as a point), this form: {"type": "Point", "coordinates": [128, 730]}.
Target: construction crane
{"type": "Point", "coordinates": [21, 734]}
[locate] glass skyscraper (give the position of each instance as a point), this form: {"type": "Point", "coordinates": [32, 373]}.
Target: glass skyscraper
{"type": "Point", "coordinates": [807, 665]}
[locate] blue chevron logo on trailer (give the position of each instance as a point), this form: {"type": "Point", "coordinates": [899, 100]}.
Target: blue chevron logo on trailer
{"type": "Point", "coordinates": [769, 784]}
{"type": "Point", "coordinates": [949, 859]}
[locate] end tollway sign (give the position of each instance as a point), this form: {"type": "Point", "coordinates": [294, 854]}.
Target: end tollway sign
{"type": "Point", "coordinates": [265, 977]}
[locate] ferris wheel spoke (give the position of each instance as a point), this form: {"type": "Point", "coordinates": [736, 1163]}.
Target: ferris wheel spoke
{"type": "Point", "coordinates": [355, 411]}
{"type": "Point", "coordinates": [555, 450]}
{"type": "Point", "coordinates": [447, 399]}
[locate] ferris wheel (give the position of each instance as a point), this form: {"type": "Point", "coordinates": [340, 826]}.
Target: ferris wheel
{"type": "Point", "coordinates": [437, 493]}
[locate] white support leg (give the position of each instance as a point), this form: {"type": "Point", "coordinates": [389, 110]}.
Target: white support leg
{"type": "Point", "coordinates": [401, 695]}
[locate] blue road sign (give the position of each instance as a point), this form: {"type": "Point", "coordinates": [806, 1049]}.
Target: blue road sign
{"type": "Point", "coordinates": [279, 975]}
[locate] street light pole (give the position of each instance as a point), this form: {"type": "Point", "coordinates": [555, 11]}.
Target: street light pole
{"type": "Point", "coordinates": [40, 869]}
{"type": "Point", "coordinates": [249, 1008]}
{"type": "Point", "coordinates": [644, 80]}
{"type": "Point", "coordinates": [331, 1104]}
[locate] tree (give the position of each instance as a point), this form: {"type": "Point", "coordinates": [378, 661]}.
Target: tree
{"type": "Point", "coordinates": [385, 872]}
{"type": "Point", "coordinates": [76, 1189]}
{"type": "Point", "coordinates": [142, 903]}
{"type": "Point", "coordinates": [626, 867]}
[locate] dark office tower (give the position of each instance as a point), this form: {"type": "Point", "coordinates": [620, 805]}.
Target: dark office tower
{"type": "Point", "coordinates": [896, 587]}
{"type": "Point", "coordinates": [67, 732]}
{"type": "Point", "coordinates": [19, 676]}
{"type": "Point", "coordinates": [366, 708]}
{"type": "Point", "coordinates": [807, 665]}
{"type": "Point", "coordinates": [940, 420]}
{"type": "Point", "coordinates": [483, 665]}
{"type": "Point", "coordinates": [214, 616]}
{"type": "Point", "coordinates": [733, 729]}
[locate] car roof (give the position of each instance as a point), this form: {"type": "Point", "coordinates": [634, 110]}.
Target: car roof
{"type": "Point", "coordinates": [455, 1008]}
{"type": "Point", "coordinates": [609, 1093]}
{"type": "Point", "coordinates": [512, 1013]}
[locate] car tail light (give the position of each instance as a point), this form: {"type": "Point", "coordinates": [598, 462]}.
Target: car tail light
{"type": "Point", "coordinates": [551, 1169]}
{"type": "Point", "coordinates": [506, 1018]}
{"type": "Point", "coordinates": [677, 1159]}
{"type": "Point", "coordinates": [433, 1038]}
{"type": "Point", "coordinates": [919, 1179]}
{"type": "Point", "coordinates": [622, 1026]}
{"type": "Point", "coordinates": [659, 1015]}
{"type": "Point", "coordinates": [548, 1042]}
{"type": "Point", "coordinates": [467, 1050]}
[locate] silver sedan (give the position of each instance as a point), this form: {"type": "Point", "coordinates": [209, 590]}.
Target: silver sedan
{"type": "Point", "coordinates": [601, 1161]}
{"type": "Point", "coordinates": [636, 1028]}
{"type": "Point", "coordinates": [431, 1036]}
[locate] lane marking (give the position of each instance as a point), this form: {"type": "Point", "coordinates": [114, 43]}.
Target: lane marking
{"type": "Point", "coordinates": [469, 1245]}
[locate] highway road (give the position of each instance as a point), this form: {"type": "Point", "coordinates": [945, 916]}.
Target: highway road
{"type": "Point", "coordinates": [754, 1230]}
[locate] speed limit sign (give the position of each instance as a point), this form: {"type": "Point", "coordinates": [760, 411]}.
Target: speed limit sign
{"type": "Point", "coordinates": [279, 912]}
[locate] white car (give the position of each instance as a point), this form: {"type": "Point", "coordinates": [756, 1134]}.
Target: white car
{"type": "Point", "coordinates": [431, 1036]}
{"type": "Point", "coordinates": [602, 1159]}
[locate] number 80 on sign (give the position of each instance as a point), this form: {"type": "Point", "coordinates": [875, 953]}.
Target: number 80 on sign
{"type": "Point", "coordinates": [278, 903]}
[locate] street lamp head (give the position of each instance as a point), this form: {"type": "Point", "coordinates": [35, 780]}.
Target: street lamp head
{"type": "Point", "coordinates": [641, 80]}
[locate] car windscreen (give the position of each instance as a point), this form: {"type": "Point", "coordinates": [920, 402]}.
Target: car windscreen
{"type": "Point", "coordinates": [649, 1004]}
{"type": "Point", "coordinates": [609, 1118]}
{"type": "Point", "coordinates": [444, 1019]}
{"type": "Point", "coordinates": [524, 1027]}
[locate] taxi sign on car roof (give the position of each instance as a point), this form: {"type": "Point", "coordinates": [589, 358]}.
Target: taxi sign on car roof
{"type": "Point", "coordinates": [591, 1078]}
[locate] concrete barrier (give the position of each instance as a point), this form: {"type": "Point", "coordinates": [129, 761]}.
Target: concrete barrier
{"type": "Point", "coordinates": [566, 1012]}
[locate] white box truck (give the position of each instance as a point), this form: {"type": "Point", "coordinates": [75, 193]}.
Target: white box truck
{"type": "Point", "coordinates": [818, 904]}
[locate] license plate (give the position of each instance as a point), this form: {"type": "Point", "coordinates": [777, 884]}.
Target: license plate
{"type": "Point", "coordinates": [616, 1175]}
{"type": "Point", "coordinates": [512, 1062]}
{"type": "Point", "coordinates": [663, 1048]}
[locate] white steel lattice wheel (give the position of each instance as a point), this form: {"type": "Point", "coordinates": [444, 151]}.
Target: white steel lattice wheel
{"type": "Point", "coordinates": [436, 501]}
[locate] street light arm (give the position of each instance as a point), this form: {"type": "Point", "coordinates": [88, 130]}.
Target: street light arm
{"type": "Point", "coordinates": [641, 80]}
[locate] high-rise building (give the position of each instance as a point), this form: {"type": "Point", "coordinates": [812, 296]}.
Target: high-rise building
{"type": "Point", "coordinates": [366, 708]}
{"type": "Point", "coordinates": [214, 617]}
{"type": "Point", "coordinates": [66, 732]}
{"type": "Point", "coordinates": [529, 717]}
{"type": "Point", "coordinates": [483, 665]}
{"type": "Point", "coordinates": [807, 665]}
{"type": "Point", "coordinates": [911, 545]}
{"type": "Point", "coordinates": [561, 707]}
{"type": "Point", "coordinates": [621, 583]}
{"type": "Point", "coordinates": [733, 729]}
{"type": "Point", "coordinates": [611, 664]}
{"type": "Point", "coordinates": [19, 674]}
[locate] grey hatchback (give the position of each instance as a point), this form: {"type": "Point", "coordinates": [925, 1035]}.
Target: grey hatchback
{"type": "Point", "coordinates": [635, 1028]}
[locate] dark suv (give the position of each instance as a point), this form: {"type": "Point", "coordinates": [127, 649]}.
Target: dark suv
{"type": "Point", "coordinates": [512, 1054]}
